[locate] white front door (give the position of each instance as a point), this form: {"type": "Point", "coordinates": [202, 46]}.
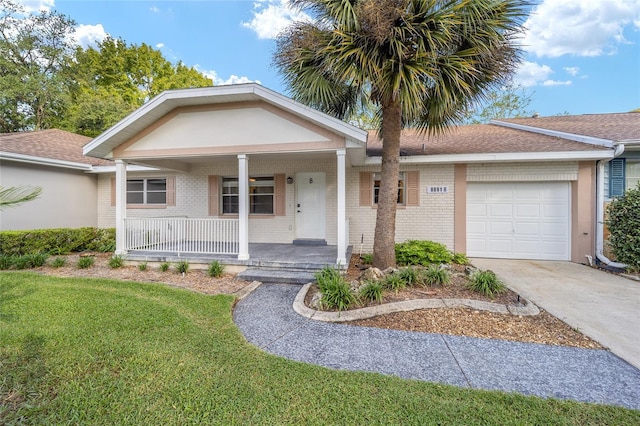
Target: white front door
{"type": "Point", "coordinates": [310, 206]}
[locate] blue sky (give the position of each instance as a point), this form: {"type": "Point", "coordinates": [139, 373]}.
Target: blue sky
{"type": "Point", "coordinates": [581, 56]}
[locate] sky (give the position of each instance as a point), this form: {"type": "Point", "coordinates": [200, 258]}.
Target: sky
{"type": "Point", "coordinates": [580, 56]}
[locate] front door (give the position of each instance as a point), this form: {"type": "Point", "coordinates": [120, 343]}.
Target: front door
{"type": "Point", "coordinates": [310, 206]}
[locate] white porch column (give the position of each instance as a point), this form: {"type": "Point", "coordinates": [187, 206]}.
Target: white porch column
{"type": "Point", "coordinates": [121, 205]}
{"type": "Point", "coordinates": [243, 206]}
{"type": "Point", "coordinates": [343, 238]}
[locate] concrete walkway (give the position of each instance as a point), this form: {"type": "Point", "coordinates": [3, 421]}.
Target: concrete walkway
{"type": "Point", "coordinates": [268, 321]}
{"type": "Point", "coordinates": [604, 306]}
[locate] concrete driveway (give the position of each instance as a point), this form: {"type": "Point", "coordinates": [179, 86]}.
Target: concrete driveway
{"type": "Point", "coordinates": [604, 306]}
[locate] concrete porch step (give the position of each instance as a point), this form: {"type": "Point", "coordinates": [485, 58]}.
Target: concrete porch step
{"type": "Point", "coordinates": [281, 276]}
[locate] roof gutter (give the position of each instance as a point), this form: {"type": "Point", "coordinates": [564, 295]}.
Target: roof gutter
{"type": "Point", "coordinates": [22, 158]}
{"type": "Point", "coordinates": [619, 149]}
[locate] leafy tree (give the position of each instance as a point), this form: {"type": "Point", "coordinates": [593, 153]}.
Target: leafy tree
{"type": "Point", "coordinates": [422, 63]}
{"type": "Point", "coordinates": [16, 195]}
{"type": "Point", "coordinates": [33, 52]}
{"type": "Point", "coordinates": [509, 101]}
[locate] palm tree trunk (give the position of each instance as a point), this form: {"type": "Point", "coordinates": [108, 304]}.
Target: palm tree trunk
{"type": "Point", "coordinates": [384, 254]}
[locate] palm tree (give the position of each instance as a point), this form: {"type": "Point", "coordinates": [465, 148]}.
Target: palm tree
{"type": "Point", "coordinates": [16, 195]}
{"type": "Point", "coordinates": [421, 63]}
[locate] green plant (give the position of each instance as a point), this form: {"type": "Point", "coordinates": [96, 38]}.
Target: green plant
{"type": "Point", "coordinates": [56, 241]}
{"type": "Point", "coordinates": [372, 291]}
{"type": "Point", "coordinates": [409, 275]}
{"type": "Point", "coordinates": [326, 275]}
{"type": "Point", "coordinates": [367, 258]}
{"type": "Point", "coordinates": [487, 283]}
{"type": "Point", "coordinates": [116, 261]}
{"type": "Point", "coordinates": [415, 252]}
{"type": "Point", "coordinates": [436, 275]}
{"type": "Point", "coordinates": [86, 262]}
{"type": "Point", "coordinates": [460, 259]}
{"type": "Point", "coordinates": [624, 226]}
{"type": "Point", "coordinates": [336, 292]}
{"type": "Point", "coordinates": [164, 266]}
{"type": "Point", "coordinates": [216, 269]}
{"type": "Point", "coordinates": [142, 266]}
{"type": "Point", "coordinates": [182, 266]}
{"type": "Point", "coordinates": [59, 262]}
{"type": "Point", "coordinates": [6, 262]}
{"type": "Point", "coordinates": [394, 282]}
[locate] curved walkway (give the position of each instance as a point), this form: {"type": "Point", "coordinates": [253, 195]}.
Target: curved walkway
{"type": "Point", "coordinates": [267, 320]}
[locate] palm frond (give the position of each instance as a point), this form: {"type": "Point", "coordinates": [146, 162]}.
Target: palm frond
{"type": "Point", "coordinates": [16, 195]}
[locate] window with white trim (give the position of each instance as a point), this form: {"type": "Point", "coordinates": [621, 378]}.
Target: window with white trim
{"type": "Point", "coordinates": [261, 195]}
{"type": "Point", "coordinates": [632, 174]}
{"type": "Point", "coordinates": [147, 191]}
{"type": "Point", "coordinates": [377, 177]}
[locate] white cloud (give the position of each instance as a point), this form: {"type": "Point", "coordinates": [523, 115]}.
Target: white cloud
{"type": "Point", "coordinates": [89, 35]}
{"type": "Point", "coordinates": [579, 27]}
{"type": "Point", "coordinates": [154, 9]}
{"type": "Point", "coordinates": [159, 45]}
{"type": "Point", "coordinates": [217, 81]}
{"type": "Point", "coordinates": [272, 16]}
{"type": "Point", "coordinates": [36, 5]}
{"type": "Point", "coordinates": [531, 74]}
{"type": "Point", "coordinates": [572, 71]}
{"type": "Point", "coordinates": [557, 83]}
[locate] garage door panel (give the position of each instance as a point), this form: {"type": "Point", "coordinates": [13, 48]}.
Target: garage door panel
{"type": "Point", "coordinates": [524, 220]}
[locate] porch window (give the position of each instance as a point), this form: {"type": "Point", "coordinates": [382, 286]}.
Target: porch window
{"type": "Point", "coordinates": [401, 187]}
{"type": "Point", "coordinates": [147, 191]}
{"type": "Point", "coordinates": [261, 195]}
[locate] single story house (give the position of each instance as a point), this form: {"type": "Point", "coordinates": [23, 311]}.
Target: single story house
{"type": "Point", "coordinates": [220, 168]}
{"type": "Point", "coordinates": [53, 160]}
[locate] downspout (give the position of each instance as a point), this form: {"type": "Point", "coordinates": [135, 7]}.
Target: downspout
{"type": "Point", "coordinates": [619, 149]}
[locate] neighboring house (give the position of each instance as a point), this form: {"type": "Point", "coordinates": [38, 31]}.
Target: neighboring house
{"type": "Point", "coordinates": [620, 132]}
{"type": "Point", "coordinates": [53, 160]}
{"type": "Point", "coordinates": [242, 164]}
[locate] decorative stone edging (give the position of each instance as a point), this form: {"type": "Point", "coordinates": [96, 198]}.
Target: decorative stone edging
{"type": "Point", "coordinates": [407, 305]}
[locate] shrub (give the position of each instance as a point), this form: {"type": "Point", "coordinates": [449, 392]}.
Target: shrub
{"type": "Point", "coordinates": [215, 269]}
{"type": "Point", "coordinates": [59, 262]}
{"type": "Point", "coordinates": [86, 262]}
{"type": "Point", "coordinates": [414, 252]}
{"type": "Point", "coordinates": [487, 283]}
{"type": "Point", "coordinates": [436, 275]}
{"type": "Point", "coordinates": [336, 292]}
{"type": "Point", "coordinates": [164, 266]}
{"type": "Point", "coordinates": [6, 262]}
{"type": "Point", "coordinates": [116, 261]}
{"type": "Point", "coordinates": [409, 275]}
{"type": "Point", "coordinates": [394, 282]}
{"type": "Point", "coordinates": [624, 225]}
{"type": "Point", "coordinates": [26, 261]}
{"type": "Point", "coordinates": [182, 266]}
{"type": "Point", "coordinates": [372, 291]}
{"type": "Point", "coordinates": [142, 266]}
{"type": "Point", "coordinates": [460, 259]}
{"type": "Point", "coordinates": [367, 258]}
{"type": "Point", "coordinates": [56, 241]}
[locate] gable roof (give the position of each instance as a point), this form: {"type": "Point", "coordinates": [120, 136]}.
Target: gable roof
{"type": "Point", "coordinates": [167, 101]}
{"type": "Point", "coordinates": [52, 147]}
{"type": "Point", "coordinates": [617, 127]}
{"type": "Point", "coordinates": [480, 139]}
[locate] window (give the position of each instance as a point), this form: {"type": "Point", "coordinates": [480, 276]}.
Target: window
{"type": "Point", "coordinates": [401, 187]}
{"type": "Point", "coordinates": [621, 174]}
{"type": "Point", "coordinates": [633, 174]}
{"type": "Point", "coordinates": [147, 191]}
{"type": "Point", "coordinates": [261, 195]}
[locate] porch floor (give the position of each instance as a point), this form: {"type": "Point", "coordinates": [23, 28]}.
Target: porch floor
{"type": "Point", "coordinates": [286, 256]}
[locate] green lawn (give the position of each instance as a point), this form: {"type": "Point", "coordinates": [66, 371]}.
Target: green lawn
{"type": "Point", "coordinates": [84, 351]}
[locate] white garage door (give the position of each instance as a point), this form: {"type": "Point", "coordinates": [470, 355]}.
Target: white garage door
{"type": "Point", "coordinates": [518, 220]}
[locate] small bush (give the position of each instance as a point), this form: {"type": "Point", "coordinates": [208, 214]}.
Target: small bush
{"type": "Point", "coordinates": [336, 292]}
{"type": "Point", "coordinates": [436, 275]}
{"type": "Point", "coordinates": [367, 258]}
{"type": "Point", "coordinates": [414, 252]}
{"type": "Point", "coordinates": [216, 269]}
{"type": "Point", "coordinates": [164, 266]}
{"type": "Point", "coordinates": [487, 283]}
{"type": "Point", "coordinates": [6, 262]}
{"type": "Point", "coordinates": [372, 291]}
{"type": "Point", "coordinates": [460, 259]}
{"type": "Point", "coordinates": [116, 262]}
{"type": "Point", "coordinates": [325, 275]}
{"type": "Point", "coordinates": [409, 275]}
{"type": "Point", "coordinates": [624, 225]}
{"type": "Point", "coordinates": [56, 241]}
{"type": "Point", "coordinates": [142, 266]}
{"type": "Point", "coordinates": [26, 261]}
{"type": "Point", "coordinates": [59, 262]}
{"type": "Point", "coordinates": [182, 266]}
{"type": "Point", "coordinates": [394, 282]}
{"type": "Point", "coordinates": [86, 262]}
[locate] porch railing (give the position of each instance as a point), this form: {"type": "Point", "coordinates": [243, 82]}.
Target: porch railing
{"type": "Point", "coordinates": [182, 235]}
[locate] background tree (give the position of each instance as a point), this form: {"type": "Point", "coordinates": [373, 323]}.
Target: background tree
{"type": "Point", "coordinates": [33, 52]}
{"type": "Point", "coordinates": [421, 62]}
{"type": "Point", "coordinates": [508, 101]}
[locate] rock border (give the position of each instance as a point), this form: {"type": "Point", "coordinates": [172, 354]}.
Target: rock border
{"type": "Point", "coordinates": [407, 305]}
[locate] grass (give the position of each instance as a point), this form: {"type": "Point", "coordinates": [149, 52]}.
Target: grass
{"type": "Point", "coordinates": [94, 351]}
